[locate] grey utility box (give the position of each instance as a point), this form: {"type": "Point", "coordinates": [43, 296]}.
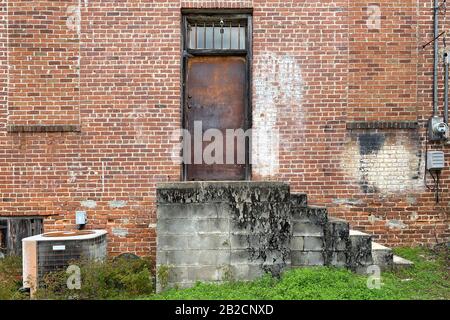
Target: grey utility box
{"type": "Point", "coordinates": [435, 160]}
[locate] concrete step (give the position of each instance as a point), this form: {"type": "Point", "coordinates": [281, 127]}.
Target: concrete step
{"type": "Point", "coordinates": [401, 263]}
{"type": "Point", "coordinates": [358, 233]}
{"type": "Point", "coordinates": [381, 255]}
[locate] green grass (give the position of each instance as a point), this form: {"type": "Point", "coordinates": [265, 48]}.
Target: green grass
{"type": "Point", "coordinates": [428, 279]}
{"type": "Point", "coordinates": [114, 279]}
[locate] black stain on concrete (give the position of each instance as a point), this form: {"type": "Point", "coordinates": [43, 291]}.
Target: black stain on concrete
{"type": "Point", "coordinates": [260, 212]}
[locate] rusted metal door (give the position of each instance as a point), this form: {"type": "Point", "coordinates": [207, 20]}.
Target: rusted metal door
{"type": "Point", "coordinates": [215, 97]}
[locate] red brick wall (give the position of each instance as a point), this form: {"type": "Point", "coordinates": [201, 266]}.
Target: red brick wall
{"type": "Point", "coordinates": [3, 78]}
{"type": "Point", "coordinates": [383, 62]}
{"type": "Point", "coordinates": [44, 74]}
{"type": "Point", "coordinates": [114, 85]}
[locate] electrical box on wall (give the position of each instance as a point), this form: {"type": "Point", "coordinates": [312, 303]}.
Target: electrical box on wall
{"type": "Point", "coordinates": [80, 217]}
{"type": "Point", "coordinates": [435, 160]}
{"type": "Point", "coordinates": [437, 129]}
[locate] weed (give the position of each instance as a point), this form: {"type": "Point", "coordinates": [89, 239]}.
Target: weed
{"type": "Point", "coordinates": [163, 274]}
{"type": "Point", "coordinates": [112, 279]}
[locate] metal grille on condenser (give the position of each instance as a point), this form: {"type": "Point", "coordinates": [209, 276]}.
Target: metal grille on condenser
{"type": "Point", "coordinates": [50, 260]}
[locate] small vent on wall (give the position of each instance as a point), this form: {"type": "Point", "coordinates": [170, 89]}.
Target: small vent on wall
{"type": "Point", "coordinates": [435, 160]}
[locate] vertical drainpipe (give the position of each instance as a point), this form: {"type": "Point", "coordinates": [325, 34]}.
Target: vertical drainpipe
{"type": "Point", "coordinates": [436, 59]}
{"type": "Point", "coordinates": [446, 62]}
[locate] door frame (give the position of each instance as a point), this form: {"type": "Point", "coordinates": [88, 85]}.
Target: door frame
{"type": "Point", "coordinates": [232, 14]}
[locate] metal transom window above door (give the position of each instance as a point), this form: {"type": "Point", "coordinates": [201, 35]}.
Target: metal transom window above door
{"type": "Point", "coordinates": [216, 96]}
{"type": "Point", "coordinates": [217, 34]}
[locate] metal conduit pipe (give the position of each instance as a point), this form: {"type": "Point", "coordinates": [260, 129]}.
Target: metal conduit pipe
{"type": "Point", "coordinates": [436, 58]}
{"type": "Point", "coordinates": [446, 65]}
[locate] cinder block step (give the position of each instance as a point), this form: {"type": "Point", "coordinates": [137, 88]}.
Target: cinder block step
{"type": "Point", "coordinates": [306, 229]}
{"type": "Point", "coordinates": [299, 199]}
{"type": "Point", "coordinates": [337, 241]}
{"type": "Point", "coordinates": [306, 258]}
{"type": "Point", "coordinates": [382, 256]}
{"type": "Point", "coordinates": [359, 254]}
{"type": "Point", "coordinates": [311, 214]}
{"type": "Point", "coordinates": [336, 234]}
